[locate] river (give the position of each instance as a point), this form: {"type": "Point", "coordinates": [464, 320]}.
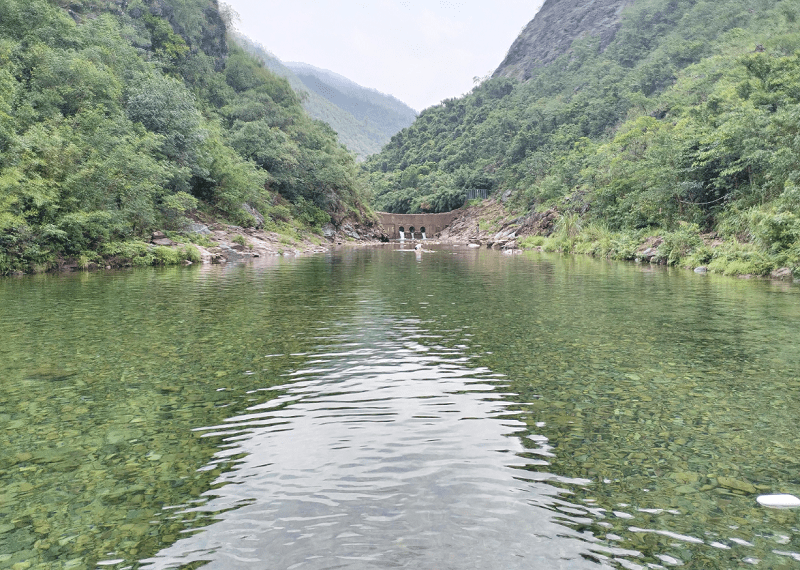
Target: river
{"type": "Point", "coordinates": [376, 408]}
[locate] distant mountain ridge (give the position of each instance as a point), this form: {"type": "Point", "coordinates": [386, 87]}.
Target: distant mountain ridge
{"type": "Point", "coordinates": [364, 119]}
{"type": "Point", "coordinates": [361, 102]}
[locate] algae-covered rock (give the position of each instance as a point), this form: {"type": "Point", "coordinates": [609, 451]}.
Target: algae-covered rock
{"type": "Point", "coordinates": [685, 477]}
{"type": "Point", "coordinates": [736, 484]}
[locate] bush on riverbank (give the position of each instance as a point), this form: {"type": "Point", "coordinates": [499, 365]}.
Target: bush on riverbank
{"type": "Point", "coordinates": [685, 247]}
{"type": "Point", "coordinates": [141, 254]}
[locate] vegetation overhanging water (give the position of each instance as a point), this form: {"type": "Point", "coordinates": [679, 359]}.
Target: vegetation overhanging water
{"type": "Point", "coordinates": [377, 408]}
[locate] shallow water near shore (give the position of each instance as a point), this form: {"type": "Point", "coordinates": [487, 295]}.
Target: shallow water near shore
{"type": "Point", "coordinates": [372, 409]}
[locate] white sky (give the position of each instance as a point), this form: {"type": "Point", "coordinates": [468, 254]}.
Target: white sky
{"type": "Point", "coordinates": [419, 51]}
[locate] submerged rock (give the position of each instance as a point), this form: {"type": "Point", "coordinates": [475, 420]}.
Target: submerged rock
{"type": "Point", "coordinates": [779, 501]}
{"type": "Point", "coordinates": [736, 484]}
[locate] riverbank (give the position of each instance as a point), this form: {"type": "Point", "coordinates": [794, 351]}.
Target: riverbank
{"type": "Point", "coordinates": [206, 241]}
{"type": "Point", "coordinates": [489, 224]}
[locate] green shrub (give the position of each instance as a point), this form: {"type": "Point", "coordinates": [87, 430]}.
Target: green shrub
{"type": "Point", "coordinates": [558, 244]}
{"type": "Point", "coordinates": [680, 243]}
{"type": "Point", "coordinates": [279, 213]}
{"type": "Point", "coordinates": [309, 214]}
{"type": "Point", "coordinates": [624, 246]}
{"type": "Point", "coordinates": [702, 255]}
{"type": "Point", "coordinates": [775, 231]}
{"type": "Point", "coordinates": [83, 261]}
{"type": "Point", "coordinates": [741, 259]}
{"type": "Point", "coordinates": [174, 207]}
{"type": "Point", "coordinates": [163, 255]}
{"type": "Point", "coordinates": [529, 242]}
{"type": "Point", "coordinates": [136, 253]}
{"type": "Point", "coordinates": [124, 249]}
{"type": "Point", "coordinates": [191, 253]}
{"type": "Point", "coordinates": [568, 225]}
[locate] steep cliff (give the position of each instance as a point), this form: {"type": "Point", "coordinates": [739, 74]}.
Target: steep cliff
{"type": "Point", "coordinates": [555, 27]}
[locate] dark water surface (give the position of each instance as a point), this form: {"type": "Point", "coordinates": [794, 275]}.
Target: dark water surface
{"type": "Point", "coordinates": [384, 409]}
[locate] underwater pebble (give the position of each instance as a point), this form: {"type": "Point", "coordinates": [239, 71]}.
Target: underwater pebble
{"type": "Point", "coordinates": [778, 501]}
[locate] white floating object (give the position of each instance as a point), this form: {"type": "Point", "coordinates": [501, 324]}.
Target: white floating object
{"type": "Point", "coordinates": [778, 501]}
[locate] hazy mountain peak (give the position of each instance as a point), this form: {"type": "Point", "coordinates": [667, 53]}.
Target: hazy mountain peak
{"type": "Point", "coordinates": [365, 119]}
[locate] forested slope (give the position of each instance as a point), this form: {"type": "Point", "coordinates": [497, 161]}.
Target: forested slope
{"type": "Point", "coordinates": [364, 119]}
{"type": "Point", "coordinates": [689, 115]}
{"type": "Point", "coordinates": [120, 118]}
{"type": "Point", "coordinates": [373, 111]}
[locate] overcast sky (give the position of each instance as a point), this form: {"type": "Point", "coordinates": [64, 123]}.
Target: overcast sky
{"type": "Point", "coordinates": [420, 51]}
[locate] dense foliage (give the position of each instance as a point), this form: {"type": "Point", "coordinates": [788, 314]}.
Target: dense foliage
{"type": "Point", "coordinates": [690, 116]}
{"type": "Point", "coordinates": [118, 119]}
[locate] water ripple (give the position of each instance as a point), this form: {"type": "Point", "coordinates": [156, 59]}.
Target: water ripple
{"type": "Point", "coordinates": [381, 455]}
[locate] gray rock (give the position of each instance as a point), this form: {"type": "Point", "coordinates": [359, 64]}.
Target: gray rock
{"type": "Point", "coordinates": [328, 231]}
{"type": "Point", "coordinates": [782, 273]}
{"type": "Point", "coordinates": [701, 269]}
{"type": "Point", "coordinates": [198, 229]}
{"type": "Point", "coordinates": [350, 231]}
{"type": "Point", "coordinates": [234, 254]}
{"type": "Point", "coordinates": [255, 213]}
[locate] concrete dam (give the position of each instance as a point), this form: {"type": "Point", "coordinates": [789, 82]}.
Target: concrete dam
{"type": "Point", "coordinates": [413, 226]}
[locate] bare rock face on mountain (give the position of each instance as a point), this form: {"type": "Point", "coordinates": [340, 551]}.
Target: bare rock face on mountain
{"type": "Point", "coordinates": [555, 27]}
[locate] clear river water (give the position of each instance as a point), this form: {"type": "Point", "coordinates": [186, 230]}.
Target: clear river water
{"type": "Point", "coordinates": [376, 408]}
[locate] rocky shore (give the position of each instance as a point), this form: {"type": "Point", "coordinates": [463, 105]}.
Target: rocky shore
{"type": "Point", "coordinates": [211, 242]}
{"type": "Point", "coordinates": [221, 243]}
{"type": "Point", "coordinates": [489, 224]}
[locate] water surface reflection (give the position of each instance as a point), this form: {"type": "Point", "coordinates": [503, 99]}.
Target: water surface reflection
{"type": "Point", "coordinates": [385, 452]}
{"type": "Point", "coordinates": [373, 409]}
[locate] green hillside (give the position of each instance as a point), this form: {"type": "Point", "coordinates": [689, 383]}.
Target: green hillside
{"type": "Point", "coordinates": [687, 120]}
{"type": "Point", "coordinates": [118, 119]}
{"type": "Point", "coordinates": [364, 119]}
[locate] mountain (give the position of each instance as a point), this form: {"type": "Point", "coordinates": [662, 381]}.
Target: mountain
{"type": "Point", "coordinates": [674, 117]}
{"type": "Point", "coordinates": [556, 25]}
{"type": "Point", "coordinates": [364, 119]}
{"type": "Point", "coordinates": [118, 119]}
{"type": "Point", "coordinates": [389, 114]}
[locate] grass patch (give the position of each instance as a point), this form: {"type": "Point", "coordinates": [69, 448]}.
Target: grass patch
{"type": "Point", "coordinates": [141, 254]}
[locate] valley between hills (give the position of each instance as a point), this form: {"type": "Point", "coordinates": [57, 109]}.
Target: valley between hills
{"type": "Point", "coordinates": [660, 130]}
